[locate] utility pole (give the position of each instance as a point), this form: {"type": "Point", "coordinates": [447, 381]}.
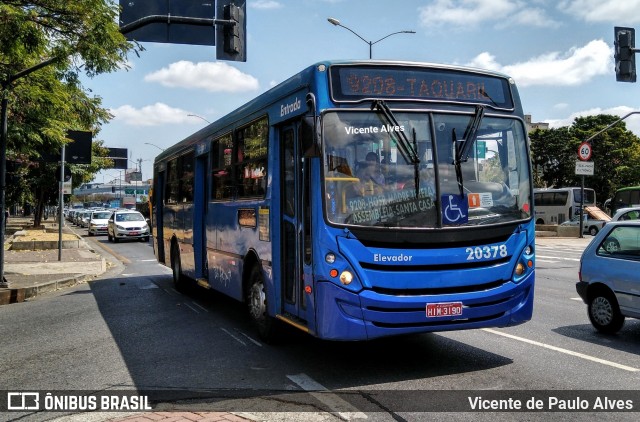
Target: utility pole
{"type": "Point", "coordinates": [5, 86]}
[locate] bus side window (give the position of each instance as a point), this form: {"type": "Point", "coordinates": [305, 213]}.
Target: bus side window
{"type": "Point", "coordinates": [252, 159]}
{"type": "Point", "coordinates": [171, 187]}
{"type": "Point", "coordinates": [221, 170]}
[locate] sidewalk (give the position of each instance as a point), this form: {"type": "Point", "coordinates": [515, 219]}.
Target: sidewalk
{"type": "Point", "coordinates": [33, 272]}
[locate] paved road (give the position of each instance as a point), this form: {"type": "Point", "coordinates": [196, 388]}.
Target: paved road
{"type": "Point", "coordinates": [133, 331]}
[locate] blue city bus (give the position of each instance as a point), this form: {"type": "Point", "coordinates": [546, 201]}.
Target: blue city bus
{"type": "Point", "coordinates": [356, 200]}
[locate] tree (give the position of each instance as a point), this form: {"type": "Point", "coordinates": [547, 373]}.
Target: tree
{"type": "Point", "coordinates": [615, 153]}
{"type": "Point", "coordinates": [69, 37]}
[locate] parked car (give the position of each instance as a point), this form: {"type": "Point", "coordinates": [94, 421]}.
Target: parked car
{"type": "Point", "coordinates": [609, 282]}
{"type": "Point", "coordinates": [625, 214]}
{"type": "Point", "coordinates": [78, 217]}
{"type": "Point", "coordinates": [98, 222]}
{"type": "Point", "coordinates": [127, 224]}
{"type": "Point", "coordinates": [593, 220]}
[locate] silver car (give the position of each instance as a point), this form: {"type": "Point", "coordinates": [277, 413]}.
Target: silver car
{"type": "Point", "coordinates": [609, 282]}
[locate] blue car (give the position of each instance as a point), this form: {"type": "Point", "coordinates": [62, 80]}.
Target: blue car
{"type": "Point", "coordinates": [609, 276]}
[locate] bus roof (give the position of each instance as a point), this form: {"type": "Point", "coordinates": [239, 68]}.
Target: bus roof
{"type": "Point", "coordinates": [305, 80]}
{"type": "Point", "coordinates": [628, 188]}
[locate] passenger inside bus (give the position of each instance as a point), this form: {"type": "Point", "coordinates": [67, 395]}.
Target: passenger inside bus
{"type": "Point", "coordinates": [370, 175]}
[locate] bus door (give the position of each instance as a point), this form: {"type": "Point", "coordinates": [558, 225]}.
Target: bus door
{"type": "Point", "coordinates": [295, 228]}
{"type": "Point", "coordinates": [158, 218]}
{"type": "Point", "coordinates": [199, 217]}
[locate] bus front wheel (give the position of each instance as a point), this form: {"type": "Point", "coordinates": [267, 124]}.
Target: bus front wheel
{"type": "Point", "coordinates": [257, 305]}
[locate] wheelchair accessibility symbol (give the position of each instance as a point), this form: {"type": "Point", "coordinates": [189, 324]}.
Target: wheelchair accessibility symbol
{"type": "Point", "coordinates": [455, 209]}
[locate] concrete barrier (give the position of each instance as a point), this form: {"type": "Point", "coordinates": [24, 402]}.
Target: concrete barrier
{"type": "Point", "coordinates": [555, 230]}
{"type": "Point", "coordinates": [35, 245]}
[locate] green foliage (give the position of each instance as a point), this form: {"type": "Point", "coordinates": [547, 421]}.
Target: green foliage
{"type": "Point", "coordinates": [615, 153]}
{"type": "Point", "coordinates": [44, 45]}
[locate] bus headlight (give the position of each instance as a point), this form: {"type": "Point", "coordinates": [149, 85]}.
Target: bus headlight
{"type": "Point", "coordinates": [524, 265]}
{"type": "Point", "coordinates": [346, 278]}
{"type": "Point", "coordinates": [330, 258]}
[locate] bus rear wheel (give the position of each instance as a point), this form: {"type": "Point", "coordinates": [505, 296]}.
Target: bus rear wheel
{"type": "Point", "coordinates": [256, 299]}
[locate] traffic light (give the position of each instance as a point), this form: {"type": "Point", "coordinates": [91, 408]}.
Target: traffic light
{"type": "Point", "coordinates": [625, 54]}
{"type": "Point", "coordinates": [12, 174]}
{"type": "Point", "coordinates": [231, 38]}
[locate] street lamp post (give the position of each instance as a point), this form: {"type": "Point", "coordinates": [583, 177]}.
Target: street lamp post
{"type": "Point", "coordinates": [199, 117]}
{"type": "Point", "coordinates": [336, 22]}
{"type": "Point", "coordinates": [154, 145]}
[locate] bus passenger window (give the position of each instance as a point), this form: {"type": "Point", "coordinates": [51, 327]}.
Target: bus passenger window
{"type": "Point", "coordinates": [252, 159]}
{"type": "Point", "coordinates": [221, 170]}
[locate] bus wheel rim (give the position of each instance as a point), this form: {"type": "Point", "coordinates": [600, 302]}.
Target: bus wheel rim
{"type": "Point", "coordinates": [257, 301]}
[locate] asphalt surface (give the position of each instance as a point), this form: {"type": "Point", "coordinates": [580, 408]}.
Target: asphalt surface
{"type": "Point", "coordinates": [35, 272]}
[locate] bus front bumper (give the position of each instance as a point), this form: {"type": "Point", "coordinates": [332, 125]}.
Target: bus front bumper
{"type": "Point", "coordinates": [344, 315]}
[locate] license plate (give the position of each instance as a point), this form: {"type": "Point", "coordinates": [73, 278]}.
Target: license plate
{"type": "Point", "coordinates": [444, 309]}
{"type": "Point", "coordinates": [133, 233]}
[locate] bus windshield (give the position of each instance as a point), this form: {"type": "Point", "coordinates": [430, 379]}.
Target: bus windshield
{"type": "Point", "coordinates": [390, 172]}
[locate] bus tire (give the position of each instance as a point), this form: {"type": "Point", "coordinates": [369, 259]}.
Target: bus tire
{"type": "Point", "coordinates": [176, 269]}
{"type": "Point", "coordinates": [256, 299]}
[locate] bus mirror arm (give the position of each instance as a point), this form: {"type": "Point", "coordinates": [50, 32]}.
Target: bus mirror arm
{"type": "Point", "coordinates": [310, 129]}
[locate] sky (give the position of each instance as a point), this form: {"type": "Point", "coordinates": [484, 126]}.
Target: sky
{"type": "Point", "coordinates": [559, 52]}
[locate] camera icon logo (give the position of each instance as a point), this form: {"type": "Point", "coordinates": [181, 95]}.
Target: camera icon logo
{"type": "Point", "coordinates": [23, 401]}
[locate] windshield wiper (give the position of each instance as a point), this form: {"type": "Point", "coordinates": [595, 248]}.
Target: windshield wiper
{"type": "Point", "coordinates": [409, 152]}
{"type": "Point", "coordinates": [405, 148]}
{"type": "Point", "coordinates": [463, 148]}
{"type": "Point", "coordinates": [470, 133]}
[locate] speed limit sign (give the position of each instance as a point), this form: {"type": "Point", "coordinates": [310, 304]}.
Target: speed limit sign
{"type": "Point", "coordinates": [584, 151]}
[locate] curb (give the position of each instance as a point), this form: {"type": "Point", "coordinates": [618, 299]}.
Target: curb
{"type": "Point", "coordinates": [20, 294]}
{"type": "Point", "coordinates": [49, 282]}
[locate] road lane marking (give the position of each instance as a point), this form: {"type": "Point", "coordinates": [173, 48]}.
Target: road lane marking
{"type": "Point", "coordinates": [191, 307]}
{"type": "Point", "coordinates": [239, 340]}
{"type": "Point", "coordinates": [257, 343]}
{"type": "Point", "coordinates": [343, 408]}
{"type": "Point", "coordinates": [561, 350]}
{"type": "Point", "coordinates": [558, 257]}
{"type": "Point", "coordinates": [200, 307]}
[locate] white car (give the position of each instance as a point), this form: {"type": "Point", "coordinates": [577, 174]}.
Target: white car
{"type": "Point", "coordinates": [626, 214]}
{"type": "Point", "coordinates": [98, 222]}
{"type": "Point", "coordinates": [593, 220]}
{"type": "Point", "coordinates": [127, 224]}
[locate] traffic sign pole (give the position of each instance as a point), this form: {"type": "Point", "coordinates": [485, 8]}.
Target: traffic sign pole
{"type": "Point", "coordinates": [584, 154]}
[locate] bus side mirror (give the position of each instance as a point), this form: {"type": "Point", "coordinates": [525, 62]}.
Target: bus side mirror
{"type": "Point", "coordinates": [310, 138]}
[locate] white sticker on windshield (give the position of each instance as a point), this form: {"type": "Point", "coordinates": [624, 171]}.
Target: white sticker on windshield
{"type": "Point", "coordinates": [480, 200]}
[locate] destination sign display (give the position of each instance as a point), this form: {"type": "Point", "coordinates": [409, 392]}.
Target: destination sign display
{"type": "Point", "coordinates": [356, 83]}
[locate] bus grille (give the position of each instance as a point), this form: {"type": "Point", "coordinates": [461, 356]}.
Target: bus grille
{"type": "Point", "coordinates": [440, 290]}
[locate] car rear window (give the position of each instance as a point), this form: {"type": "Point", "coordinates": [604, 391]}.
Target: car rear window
{"type": "Point", "coordinates": [622, 241]}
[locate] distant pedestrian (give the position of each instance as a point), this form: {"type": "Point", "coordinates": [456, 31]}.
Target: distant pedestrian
{"type": "Point", "coordinates": [6, 217]}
